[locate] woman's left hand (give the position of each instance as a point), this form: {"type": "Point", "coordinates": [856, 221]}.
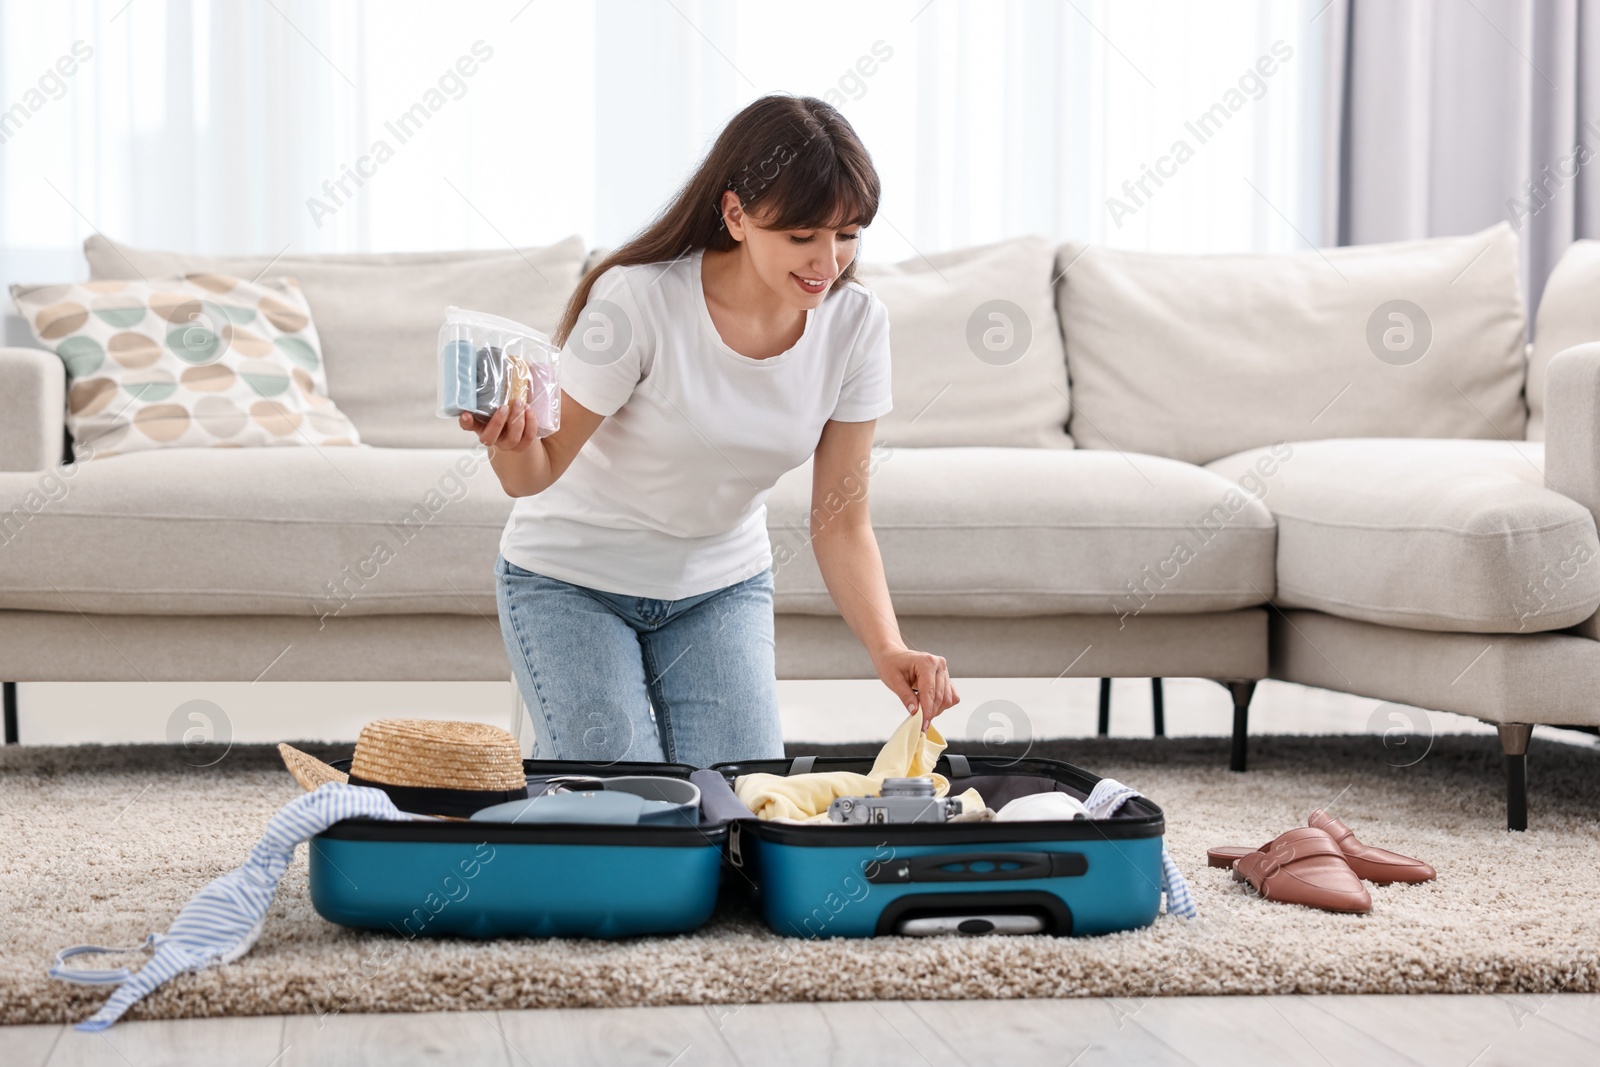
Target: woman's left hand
{"type": "Point", "coordinates": [921, 680]}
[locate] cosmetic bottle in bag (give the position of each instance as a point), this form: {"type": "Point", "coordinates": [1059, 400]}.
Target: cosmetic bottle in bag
{"type": "Point", "coordinates": [486, 361]}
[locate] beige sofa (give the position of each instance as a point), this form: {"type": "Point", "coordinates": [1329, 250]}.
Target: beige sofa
{"type": "Point", "coordinates": [1260, 473]}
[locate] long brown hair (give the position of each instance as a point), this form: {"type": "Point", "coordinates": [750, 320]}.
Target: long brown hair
{"type": "Point", "coordinates": [793, 161]}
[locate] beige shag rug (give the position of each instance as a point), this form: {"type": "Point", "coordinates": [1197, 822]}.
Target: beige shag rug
{"type": "Point", "coordinates": [104, 844]}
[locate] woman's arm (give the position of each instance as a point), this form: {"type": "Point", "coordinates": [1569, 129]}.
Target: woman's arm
{"type": "Point", "coordinates": [852, 568]}
{"type": "Point", "coordinates": [524, 462]}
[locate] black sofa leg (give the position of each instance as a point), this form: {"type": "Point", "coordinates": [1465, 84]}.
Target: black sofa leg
{"type": "Point", "coordinates": [11, 713]}
{"type": "Point", "coordinates": [1158, 710]}
{"type": "Point", "coordinates": [1104, 725]}
{"type": "Point", "coordinates": [1242, 692]}
{"type": "Point", "coordinates": [1514, 737]}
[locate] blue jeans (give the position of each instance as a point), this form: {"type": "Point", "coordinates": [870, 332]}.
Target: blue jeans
{"type": "Point", "coordinates": [609, 677]}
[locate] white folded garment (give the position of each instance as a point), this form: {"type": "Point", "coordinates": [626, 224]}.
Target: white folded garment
{"type": "Point", "coordinates": [1039, 806]}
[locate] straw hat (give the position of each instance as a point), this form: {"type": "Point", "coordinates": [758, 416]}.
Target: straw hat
{"type": "Point", "coordinates": [427, 766]}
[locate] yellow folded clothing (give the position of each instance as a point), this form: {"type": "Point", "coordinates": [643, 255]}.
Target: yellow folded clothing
{"type": "Point", "coordinates": [909, 753]}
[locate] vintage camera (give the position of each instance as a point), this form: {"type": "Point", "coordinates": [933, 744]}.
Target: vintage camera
{"type": "Point", "coordinates": [901, 800]}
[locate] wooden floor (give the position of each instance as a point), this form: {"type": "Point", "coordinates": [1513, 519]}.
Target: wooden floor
{"type": "Point", "coordinates": [1228, 1031]}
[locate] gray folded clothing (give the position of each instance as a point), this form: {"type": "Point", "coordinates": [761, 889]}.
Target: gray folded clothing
{"type": "Point", "coordinates": [647, 800]}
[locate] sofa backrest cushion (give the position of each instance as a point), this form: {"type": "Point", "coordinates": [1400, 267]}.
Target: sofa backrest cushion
{"type": "Point", "coordinates": [1569, 314]}
{"type": "Point", "coordinates": [378, 316]}
{"type": "Point", "coordinates": [1200, 356]}
{"type": "Point", "coordinates": [976, 348]}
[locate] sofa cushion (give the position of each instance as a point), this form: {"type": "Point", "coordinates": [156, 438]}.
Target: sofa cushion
{"type": "Point", "coordinates": [379, 317]}
{"type": "Point", "coordinates": [1200, 356]}
{"type": "Point", "coordinates": [1014, 531]}
{"type": "Point", "coordinates": [1569, 314]}
{"type": "Point", "coordinates": [256, 531]}
{"type": "Point", "coordinates": [1428, 534]}
{"type": "Point", "coordinates": [379, 531]}
{"type": "Point", "coordinates": [976, 347]}
{"type": "Point", "coordinates": [208, 361]}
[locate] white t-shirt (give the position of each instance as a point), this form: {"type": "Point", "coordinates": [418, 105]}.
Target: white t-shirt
{"type": "Point", "coordinates": [667, 499]}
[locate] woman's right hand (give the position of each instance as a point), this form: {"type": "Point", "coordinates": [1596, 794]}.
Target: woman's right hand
{"type": "Point", "coordinates": [512, 428]}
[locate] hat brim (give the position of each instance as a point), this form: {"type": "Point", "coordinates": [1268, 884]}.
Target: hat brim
{"type": "Point", "coordinates": [309, 771]}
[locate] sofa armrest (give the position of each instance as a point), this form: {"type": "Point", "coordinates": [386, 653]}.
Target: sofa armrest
{"type": "Point", "coordinates": [33, 386]}
{"type": "Point", "coordinates": [1572, 435]}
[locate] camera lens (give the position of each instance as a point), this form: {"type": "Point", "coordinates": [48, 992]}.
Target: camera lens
{"type": "Point", "coordinates": [907, 787]}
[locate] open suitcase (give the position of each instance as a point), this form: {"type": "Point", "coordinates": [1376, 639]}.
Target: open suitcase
{"type": "Point", "coordinates": [480, 879]}
{"type": "Point", "coordinates": [1062, 877]}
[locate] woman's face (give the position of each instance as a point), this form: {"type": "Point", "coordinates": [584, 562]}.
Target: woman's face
{"type": "Point", "coordinates": [798, 265]}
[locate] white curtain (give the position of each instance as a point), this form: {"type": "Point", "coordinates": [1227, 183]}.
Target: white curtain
{"type": "Point", "coordinates": [1459, 115]}
{"type": "Point", "coordinates": [265, 125]}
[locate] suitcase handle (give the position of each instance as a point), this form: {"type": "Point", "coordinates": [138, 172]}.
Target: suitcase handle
{"type": "Point", "coordinates": [979, 867]}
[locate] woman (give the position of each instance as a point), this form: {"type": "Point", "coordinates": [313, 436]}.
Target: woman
{"type": "Point", "coordinates": [722, 347]}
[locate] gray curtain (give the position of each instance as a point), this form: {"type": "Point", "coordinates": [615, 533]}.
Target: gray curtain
{"type": "Point", "coordinates": [1455, 114]}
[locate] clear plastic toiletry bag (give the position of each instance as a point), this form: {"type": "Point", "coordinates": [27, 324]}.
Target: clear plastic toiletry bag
{"type": "Point", "coordinates": [486, 361]}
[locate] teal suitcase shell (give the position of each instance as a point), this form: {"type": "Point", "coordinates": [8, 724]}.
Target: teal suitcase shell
{"type": "Point", "coordinates": [1079, 877]}
{"type": "Point", "coordinates": [549, 880]}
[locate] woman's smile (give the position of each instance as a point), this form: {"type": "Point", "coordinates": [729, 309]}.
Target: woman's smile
{"type": "Point", "coordinates": [813, 286]}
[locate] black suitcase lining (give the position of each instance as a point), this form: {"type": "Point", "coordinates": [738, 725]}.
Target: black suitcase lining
{"type": "Point", "coordinates": [999, 782]}
{"type": "Point", "coordinates": [716, 793]}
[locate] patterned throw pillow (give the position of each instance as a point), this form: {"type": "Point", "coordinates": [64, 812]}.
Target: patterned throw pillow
{"type": "Point", "coordinates": [205, 360]}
